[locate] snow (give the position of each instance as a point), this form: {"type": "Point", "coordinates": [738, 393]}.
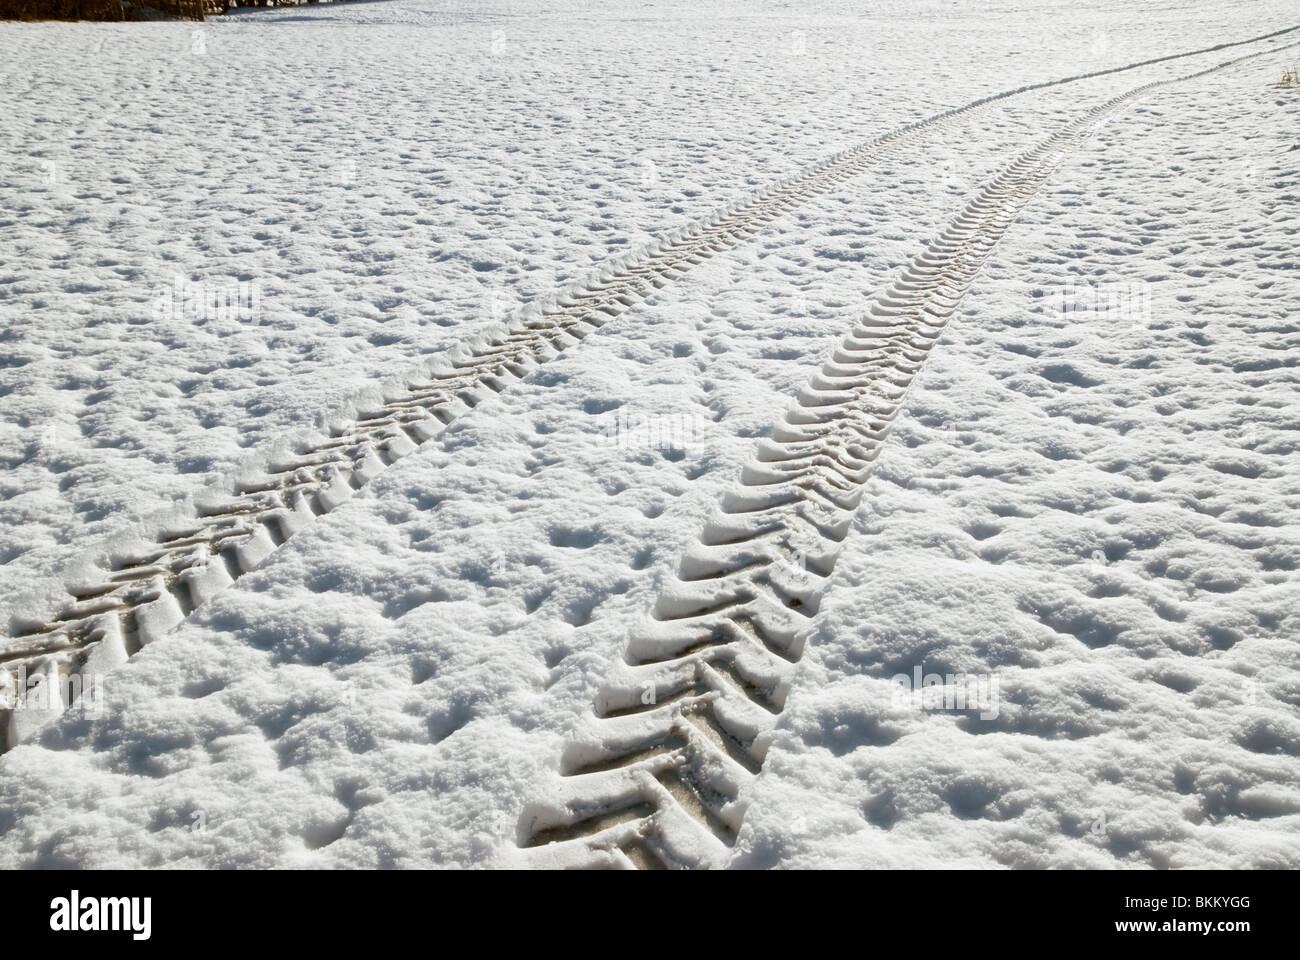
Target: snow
{"type": "Point", "coordinates": [1095, 508]}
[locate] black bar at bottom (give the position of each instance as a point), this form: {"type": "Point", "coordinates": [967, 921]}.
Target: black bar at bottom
{"type": "Point", "coordinates": [369, 910]}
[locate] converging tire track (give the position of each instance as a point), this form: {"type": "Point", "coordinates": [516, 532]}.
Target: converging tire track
{"type": "Point", "coordinates": [655, 774]}
{"type": "Point", "coordinates": [144, 594]}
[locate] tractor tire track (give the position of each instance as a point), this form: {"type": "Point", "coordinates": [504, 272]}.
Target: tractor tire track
{"type": "Point", "coordinates": [655, 776]}
{"type": "Point", "coordinates": [145, 593]}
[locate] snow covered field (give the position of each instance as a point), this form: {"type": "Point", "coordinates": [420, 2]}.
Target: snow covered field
{"type": "Point", "coordinates": [1087, 504]}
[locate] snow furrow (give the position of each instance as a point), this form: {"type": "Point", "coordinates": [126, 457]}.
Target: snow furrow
{"type": "Point", "coordinates": [138, 595]}
{"type": "Point", "coordinates": [655, 776]}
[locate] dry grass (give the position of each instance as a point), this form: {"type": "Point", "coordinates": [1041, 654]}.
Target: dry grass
{"type": "Point", "coordinates": [181, 9]}
{"type": "Point", "coordinates": [101, 9]}
{"type": "Point", "coordinates": [60, 9]}
{"type": "Point", "coordinates": [113, 9]}
{"type": "Point", "coordinates": [1290, 78]}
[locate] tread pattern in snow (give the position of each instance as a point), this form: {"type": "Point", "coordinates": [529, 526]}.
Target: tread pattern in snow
{"type": "Point", "coordinates": [656, 777]}
{"type": "Point", "coordinates": [142, 596]}
{"type": "Point", "coordinates": [145, 595]}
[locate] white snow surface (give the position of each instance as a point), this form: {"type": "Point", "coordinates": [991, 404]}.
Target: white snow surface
{"type": "Point", "coordinates": [1097, 509]}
